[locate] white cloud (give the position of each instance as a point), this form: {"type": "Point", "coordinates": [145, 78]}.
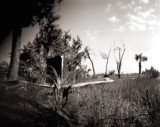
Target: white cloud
{"type": "Point", "coordinates": [113, 19]}
{"type": "Point", "coordinates": [96, 32]}
{"type": "Point", "coordinates": [121, 6]}
{"type": "Point", "coordinates": [108, 8]}
{"type": "Point", "coordinates": [124, 6]}
{"type": "Point", "coordinates": [157, 4]}
{"type": "Point", "coordinates": [119, 3]}
{"type": "Point", "coordinates": [147, 14]}
{"type": "Point", "coordinates": [139, 16]}
{"type": "Point", "coordinates": [137, 8]}
{"type": "Point", "coordinates": [119, 29]}
{"type": "Point", "coordinates": [133, 2]}
{"type": "Point", "coordinates": [136, 19]}
{"type": "Point", "coordinates": [133, 26]}
{"type": "Point", "coordinates": [91, 34]}
{"type": "Point", "coordinates": [144, 1]}
{"type": "Point", "coordinates": [142, 20]}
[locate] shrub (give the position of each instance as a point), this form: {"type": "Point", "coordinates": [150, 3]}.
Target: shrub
{"type": "Point", "coordinates": [151, 73]}
{"type": "Point", "coordinates": [112, 72]}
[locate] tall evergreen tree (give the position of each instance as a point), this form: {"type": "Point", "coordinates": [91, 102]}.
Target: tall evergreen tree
{"type": "Point", "coordinates": [18, 14]}
{"type": "Point", "coordinates": [50, 42]}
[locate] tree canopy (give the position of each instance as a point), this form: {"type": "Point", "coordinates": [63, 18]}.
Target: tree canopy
{"type": "Point", "coordinates": [26, 12]}
{"type": "Point", "coordinates": [19, 14]}
{"type": "Point", "coordinates": [50, 42]}
{"type": "Point", "coordinates": [139, 57]}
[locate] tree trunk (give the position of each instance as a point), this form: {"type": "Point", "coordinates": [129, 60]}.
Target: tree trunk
{"type": "Point", "coordinates": [140, 66]}
{"type": "Point", "coordinates": [106, 68]}
{"type": "Point", "coordinates": [119, 73]}
{"type": "Point", "coordinates": [119, 70]}
{"type": "Point", "coordinates": [94, 73]}
{"type": "Point", "coordinates": [15, 54]}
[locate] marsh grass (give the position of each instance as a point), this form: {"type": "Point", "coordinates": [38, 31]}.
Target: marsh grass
{"type": "Point", "coordinates": [123, 103]}
{"type": "Point", "coordinates": [116, 104]}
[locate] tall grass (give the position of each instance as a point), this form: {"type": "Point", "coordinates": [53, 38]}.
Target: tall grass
{"type": "Point", "coordinates": [123, 103]}
{"type": "Point", "coordinates": [115, 104]}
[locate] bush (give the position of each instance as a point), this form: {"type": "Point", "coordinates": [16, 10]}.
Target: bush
{"type": "Point", "coordinates": [112, 72]}
{"type": "Point", "coordinates": [151, 73]}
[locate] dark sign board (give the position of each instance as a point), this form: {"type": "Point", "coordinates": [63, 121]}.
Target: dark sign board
{"type": "Point", "coordinates": [56, 62]}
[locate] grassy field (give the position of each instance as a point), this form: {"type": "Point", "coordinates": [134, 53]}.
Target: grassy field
{"type": "Point", "coordinates": [123, 103]}
{"type": "Point", "coordinates": [129, 102]}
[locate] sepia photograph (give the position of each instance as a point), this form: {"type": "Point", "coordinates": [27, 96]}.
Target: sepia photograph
{"type": "Point", "coordinates": [80, 63]}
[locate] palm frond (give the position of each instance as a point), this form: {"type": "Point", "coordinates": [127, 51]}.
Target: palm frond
{"type": "Point", "coordinates": [144, 58]}
{"type": "Point", "coordinates": [58, 80]}
{"type": "Point", "coordinates": [137, 57]}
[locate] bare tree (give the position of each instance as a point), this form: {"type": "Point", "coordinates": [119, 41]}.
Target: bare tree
{"type": "Point", "coordinates": [120, 57]}
{"type": "Point", "coordinates": [87, 55]}
{"type": "Point", "coordinates": [106, 56]}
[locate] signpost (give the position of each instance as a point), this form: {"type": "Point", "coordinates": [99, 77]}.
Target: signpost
{"type": "Point", "coordinates": [57, 63]}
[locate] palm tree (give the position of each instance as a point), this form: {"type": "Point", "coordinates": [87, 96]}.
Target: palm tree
{"type": "Point", "coordinates": [140, 59]}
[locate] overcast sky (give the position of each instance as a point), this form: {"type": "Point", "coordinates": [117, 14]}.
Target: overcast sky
{"type": "Point", "coordinates": [100, 22]}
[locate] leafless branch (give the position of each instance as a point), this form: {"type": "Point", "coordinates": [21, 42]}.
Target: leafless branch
{"type": "Point", "coordinates": [114, 53]}
{"type": "Point", "coordinates": [119, 61]}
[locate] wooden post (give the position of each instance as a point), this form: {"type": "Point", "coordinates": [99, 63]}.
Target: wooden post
{"type": "Point", "coordinates": [62, 59]}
